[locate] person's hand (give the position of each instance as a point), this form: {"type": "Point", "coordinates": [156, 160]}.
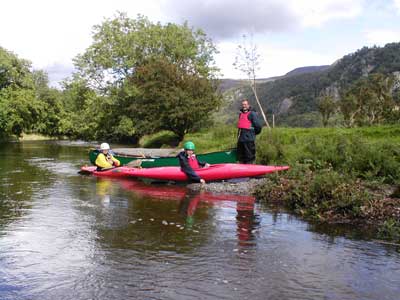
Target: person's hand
{"type": "Point", "coordinates": [202, 181]}
{"type": "Point", "coordinates": [206, 165]}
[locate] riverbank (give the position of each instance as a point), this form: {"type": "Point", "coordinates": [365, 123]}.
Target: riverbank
{"type": "Point", "coordinates": [338, 175]}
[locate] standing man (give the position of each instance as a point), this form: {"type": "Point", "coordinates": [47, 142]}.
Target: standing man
{"type": "Point", "coordinates": [248, 127]}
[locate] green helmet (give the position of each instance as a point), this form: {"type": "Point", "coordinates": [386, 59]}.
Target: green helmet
{"type": "Point", "coordinates": [188, 146]}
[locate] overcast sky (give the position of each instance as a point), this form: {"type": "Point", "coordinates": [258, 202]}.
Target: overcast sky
{"type": "Point", "coordinates": [288, 34]}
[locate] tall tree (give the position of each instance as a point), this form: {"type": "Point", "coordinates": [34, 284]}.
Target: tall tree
{"type": "Point", "coordinates": [248, 62]}
{"type": "Point", "coordinates": [369, 100]}
{"type": "Point", "coordinates": [123, 46]}
{"type": "Point", "coordinates": [171, 98]}
{"type": "Point", "coordinates": [327, 107]}
{"type": "Point", "coordinates": [19, 108]}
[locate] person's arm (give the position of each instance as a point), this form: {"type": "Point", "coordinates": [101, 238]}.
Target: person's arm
{"type": "Point", "coordinates": [115, 161]}
{"type": "Point", "coordinates": [187, 169]}
{"type": "Point", "coordinates": [255, 122]}
{"type": "Point", "coordinates": [102, 162]}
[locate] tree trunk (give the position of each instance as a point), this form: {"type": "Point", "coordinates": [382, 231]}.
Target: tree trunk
{"type": "Point", "coordinates": [253, 87]}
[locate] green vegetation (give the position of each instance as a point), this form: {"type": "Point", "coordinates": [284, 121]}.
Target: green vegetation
{"type": "Point", "coordinates": [156, 85]}
{"type": "Point", "coordinates": [337, 175]}
{"type": "Point", "coordinates": [139, 78]}
{"type": "Point", "coordinates": [136, 78]}
{"type": "Point", "coordinates": [27, 104]}
{"type": "Point", "coordinates": [373, 72]}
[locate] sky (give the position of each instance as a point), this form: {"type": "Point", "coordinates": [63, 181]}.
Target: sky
{"type": "Point", "coordinates": [288, 34]}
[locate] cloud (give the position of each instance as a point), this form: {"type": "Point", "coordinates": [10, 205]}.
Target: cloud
{"type": "Point", "coordinates": [381, 37]}
{"type": "Point", "coordinates": [316, 13]}
{"type": "Point", "coordinates": [397, 4]}
{"type": "Point", "coordinates": [51, 33]}
{"type": "Point", "coordinates": [58, 72]}
{"type": "Point", "coordinates": [223, 19]}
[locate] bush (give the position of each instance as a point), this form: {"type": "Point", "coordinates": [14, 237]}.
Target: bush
{"type": "Point", "coordinates": [390, 230]}
{"type": "Point", "coordinates": [318, 195]}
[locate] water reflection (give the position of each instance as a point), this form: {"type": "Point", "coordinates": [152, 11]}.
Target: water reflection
{"type": "Point", "coordinates": [153, 208]}
{"type": "Point", "coordinates": [66, 236]}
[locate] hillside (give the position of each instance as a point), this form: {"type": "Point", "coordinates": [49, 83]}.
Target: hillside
{"type": "Point", "coordinates": [292, 98]}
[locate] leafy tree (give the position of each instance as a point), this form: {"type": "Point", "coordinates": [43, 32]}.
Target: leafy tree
{"type": "Point", "coordinates": [14, 72]}
{"type": "Point", "coordinates": [248, 62]}
{"type": "Point", "coordinates": [350, 108]}
{"type": "Point", "coordinates": [327, 107]}
{"type": "Point", "coordinates": [125, 50]}
{"type": "Point", "coordinates": [369, 100]}
{"type": "Point", "coordinates": [19, 109]}
{"type": "Point", "coordinates": [51, 109]}
{"type": "Point", "coordinates": [171, 98]}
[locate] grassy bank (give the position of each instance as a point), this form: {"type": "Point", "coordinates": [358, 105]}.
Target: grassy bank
{"type": "Point", "coordinates": [337, 175]}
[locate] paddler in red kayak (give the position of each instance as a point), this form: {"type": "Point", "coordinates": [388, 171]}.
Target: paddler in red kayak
{"type": "Point", "coordinates": [105, 160]}
{"type": "Point", "coordinates": [189, 163]}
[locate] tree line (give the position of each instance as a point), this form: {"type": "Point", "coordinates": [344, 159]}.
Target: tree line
{"type": "Point", "coordinates": [370, 100]}
{"type": "Point", "coordinates": [136, 78]}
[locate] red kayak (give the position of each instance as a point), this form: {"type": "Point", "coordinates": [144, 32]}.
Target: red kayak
{"type": "Point", "coordinates": [214, 172]}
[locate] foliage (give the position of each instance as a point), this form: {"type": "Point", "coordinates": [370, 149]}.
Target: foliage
{"type": "Point", "coordinates": [390, 229]}
{"type": "Point", "coordinates": [171, 98]}
{"type": "Point", "coordinates": [146, 77]}
{"type": "Point", "coordinates": [27, 104]}
{"type": "Point", "coordinates": [318, 195]}
{"type": "Point", "coordinates": [304, 89]}
{"type": "Point", "coordinates": [327, 107]}
{"type": "Point", "coordinates": [369, 100]}
{"type": "Point", "coordinates": [370, 153]}
{"type": "Point", "coordinates": [161, 139]}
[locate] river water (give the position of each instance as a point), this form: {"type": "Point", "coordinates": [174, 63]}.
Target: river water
{"type": "Point", "coordinates": [69, 236]}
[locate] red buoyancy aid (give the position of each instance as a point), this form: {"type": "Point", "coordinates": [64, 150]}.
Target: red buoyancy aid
{"type": "Point", "coordinates": [244, 121]}
{"type": "Point", "coordinates": [194, 164]}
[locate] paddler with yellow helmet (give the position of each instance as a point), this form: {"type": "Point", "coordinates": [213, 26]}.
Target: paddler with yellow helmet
{"type": "Point", "coordinates": [105, 160]}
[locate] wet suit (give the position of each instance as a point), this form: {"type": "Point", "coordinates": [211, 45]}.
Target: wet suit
{"type": "Point", "coordinates": [187, 168]}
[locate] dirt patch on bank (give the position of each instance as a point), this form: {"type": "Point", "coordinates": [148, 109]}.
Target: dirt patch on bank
{"type": "Point", "coordinates": [240, 187]}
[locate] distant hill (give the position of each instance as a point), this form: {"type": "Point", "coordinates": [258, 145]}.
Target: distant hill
{"type": "Point", "coordinates": [303, 70]}
{"type": "Point", "coordinates": [226, 84]}
{"type": "Point", "coordinates": [292, 98]}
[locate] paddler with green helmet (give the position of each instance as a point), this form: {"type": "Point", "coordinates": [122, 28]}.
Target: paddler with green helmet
{"type": "Point", "coordinates": [189, 162]}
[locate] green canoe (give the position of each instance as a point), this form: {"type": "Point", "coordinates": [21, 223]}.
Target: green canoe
{"type": "Point", "coordinates": [220, 157]}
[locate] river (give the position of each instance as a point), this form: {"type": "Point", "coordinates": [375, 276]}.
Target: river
{"type": "Point", "coordinates": [69, 236]}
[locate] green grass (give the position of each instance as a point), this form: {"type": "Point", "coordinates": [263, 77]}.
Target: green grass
{"type": "Point", "coordinates": [221, 137]}
{"type": "Point", "coordinates": [332, 170]}
{"type": "Point", "coordinates": [162, 139]}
